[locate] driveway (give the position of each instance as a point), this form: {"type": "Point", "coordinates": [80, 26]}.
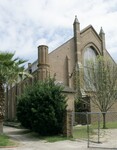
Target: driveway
{"type": "Point", "coordinates": [28, 142]}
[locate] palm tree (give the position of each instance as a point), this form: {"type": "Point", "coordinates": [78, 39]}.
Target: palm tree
{"type": "Point", "coordinates": [10, 70]}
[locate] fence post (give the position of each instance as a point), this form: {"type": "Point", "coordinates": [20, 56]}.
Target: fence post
{"type": "Point", "coordinates": [88, 129]}
{"type": "Point", "coordinates": [98, 127]}
{"type": "Point", "coordinates": [68, 124]}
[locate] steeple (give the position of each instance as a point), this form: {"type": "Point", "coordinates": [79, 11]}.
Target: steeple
{"type": "Point", "coordinates": [101, 32]}
{"type": "Point", "coordinates": [102, 36]}
{"type": "Point", "coordinates": [76, 24]}
{"type": "Point", "coordinates": [77, 39]}
{"type": "Point", "coordinates": [76, 19]}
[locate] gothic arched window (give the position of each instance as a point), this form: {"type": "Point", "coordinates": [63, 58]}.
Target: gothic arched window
{"type": "Point", "coordinates": [89, 55]}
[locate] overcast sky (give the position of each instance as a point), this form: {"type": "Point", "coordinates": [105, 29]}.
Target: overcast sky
{"type": "Point", "coordinates": [25, 24]}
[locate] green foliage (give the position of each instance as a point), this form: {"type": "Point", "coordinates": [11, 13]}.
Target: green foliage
{"type": "Point", "coordinates": [10, 67]}
{"type": "Point", "coordinates": [41, 108]}
{"type": "Point", "coordinates": [10, 70]}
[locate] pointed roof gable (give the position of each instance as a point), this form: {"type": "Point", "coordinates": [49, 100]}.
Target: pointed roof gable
{"type": "Point", "coordinates": [88, 28]}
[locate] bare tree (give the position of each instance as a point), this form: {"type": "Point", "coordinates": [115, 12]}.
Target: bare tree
{"type": "Point", "coordinates": [100, 79]}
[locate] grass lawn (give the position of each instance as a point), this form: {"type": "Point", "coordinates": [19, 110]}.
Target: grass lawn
{"type": "Point", "coordinates": [109, 125]}
{"type": "Point", "coordinates": [80, 132]}
{"type": "Point", "coordinates": [5, 141]}
{"type": "Point", "coordinates": [55, 138]}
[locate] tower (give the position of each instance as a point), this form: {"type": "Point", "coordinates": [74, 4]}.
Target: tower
{"type": "Point", "coordinates": [43, 62]}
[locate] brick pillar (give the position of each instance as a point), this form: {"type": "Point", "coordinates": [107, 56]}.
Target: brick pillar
{"type": "Point", "coordinates": [68, 124]}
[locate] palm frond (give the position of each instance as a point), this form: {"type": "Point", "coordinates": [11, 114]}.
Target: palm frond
{"type": "Point", "coordinates": [11, 68]}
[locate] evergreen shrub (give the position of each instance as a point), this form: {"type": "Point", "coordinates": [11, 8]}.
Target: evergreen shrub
{"type": "Point", "coordinates": [41, 108]}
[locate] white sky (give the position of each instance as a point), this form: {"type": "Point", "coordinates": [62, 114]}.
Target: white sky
{"type": "Point", "coordinates": [25, 24]}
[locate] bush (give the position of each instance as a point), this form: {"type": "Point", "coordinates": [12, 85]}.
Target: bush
{"type": "Point", "coordinates": [41, 108]}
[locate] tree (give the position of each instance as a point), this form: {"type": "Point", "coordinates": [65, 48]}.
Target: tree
{"type": "Point", "coordinates": [41, 108]}
{"type": "Point", "coordinates": [10, 69]}
{"type": "Point", "coordinates": [101, 83]}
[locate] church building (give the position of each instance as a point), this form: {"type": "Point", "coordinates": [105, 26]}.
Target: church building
{"type": "Point", "coordinates": [62, 63]}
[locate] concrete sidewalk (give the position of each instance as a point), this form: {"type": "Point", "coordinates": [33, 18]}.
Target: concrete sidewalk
{"type": "Point", "coordinates": [28, 142]}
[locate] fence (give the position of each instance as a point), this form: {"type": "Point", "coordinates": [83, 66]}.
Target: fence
{"type": "Point", "coordinates": [98, 128]}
